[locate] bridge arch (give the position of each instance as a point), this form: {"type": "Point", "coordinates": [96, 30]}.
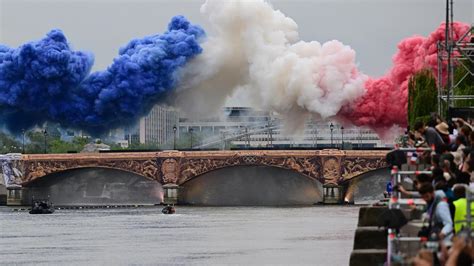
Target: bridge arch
{"type": "Point", "coordinates": [251, 185]}
{"type": "Point", "coordinates": [307, 166]}
{"type": "Point", "coordinates": [34, 168]}
{"type": "Point", "coordinates": [95, 186]}
{"type": "Point", "coordinates": [367, 186]}
{"type": "Point", "coordinates": [38, 178]}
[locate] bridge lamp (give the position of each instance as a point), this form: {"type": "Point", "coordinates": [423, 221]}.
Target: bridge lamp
{"type": "Point", "coordinates": [174, 137]}
{"type": "Point", "coordinates": [315, 137]}
{"type": "Point", "coordinates": [331, 127]}
{"type": "Point", "coordinates": [191, 132]}
{"type": "Point", "coordinates": [45, 133]}
{"type": "Point", "coordinates": [342, 138]}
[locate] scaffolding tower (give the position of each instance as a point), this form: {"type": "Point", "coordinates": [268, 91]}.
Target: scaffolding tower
{"type": "Point", "coordinates": [452, 54]}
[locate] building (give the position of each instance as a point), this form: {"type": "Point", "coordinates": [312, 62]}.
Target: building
{"type": "Point", "coordinates": [157, 126]}
{"type": "Point", "coordinates": [243, 127]}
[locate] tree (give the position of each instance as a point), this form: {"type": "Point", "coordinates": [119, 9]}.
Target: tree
{"type": "Point", "coordinates": [422, 96]}
{"type": "Point", "coordinates": [8, 144]}
{"type": "Point", "coordinates": [60, 146]}
{"type": "Point", "coordinates": [466, 86]}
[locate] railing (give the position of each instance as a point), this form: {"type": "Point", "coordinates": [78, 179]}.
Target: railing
{"type": "Point", "coordinates": [396, 201]}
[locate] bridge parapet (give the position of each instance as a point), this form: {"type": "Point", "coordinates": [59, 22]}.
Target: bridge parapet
{"type": "Point", "coordinates": [178, 167]}
{"type": "Point", "coordinates": [326, 166]}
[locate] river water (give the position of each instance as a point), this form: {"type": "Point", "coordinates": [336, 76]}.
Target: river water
{"type": "Point", "coordinates": [320, 235]}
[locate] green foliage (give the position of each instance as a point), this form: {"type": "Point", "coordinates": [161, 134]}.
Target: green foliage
{"type": "Point", "coordinates": [59, 146]}
{"type": "Point", "coordinates": [36, 141]}
{"type": "Point", "coordinates": [8, 144]}
{"type": "Point", "coordinates": [466, 85]}
{"type": "Point", "coordinates": [422, 96]}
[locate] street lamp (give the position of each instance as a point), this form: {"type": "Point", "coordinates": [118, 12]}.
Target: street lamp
{"type": "Point", "coordinates": [45, 133]}
{"type": "Point", "coordinates": [223, 140]}
{"type": "Point", "coordinates": [342, 138]}
{"type": "Point", "coordinates": [174, 137]}
{"type": "Point", "coordinates": [331, 127]}
{"type": "Point", "coordinates": [191, 132]}
{"type": "Point", "coordinates": [315, 137]}
{"type": "Point", "coordinates": [23, 135]}
{"type": "Point", "coordinates": [247, 137]}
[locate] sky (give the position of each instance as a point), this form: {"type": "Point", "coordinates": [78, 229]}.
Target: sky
{"type": "Point", "coordinates": [371, 27]}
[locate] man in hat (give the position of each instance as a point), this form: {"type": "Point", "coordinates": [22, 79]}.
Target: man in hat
{"type": "Point", "coordinates": [443, 130]}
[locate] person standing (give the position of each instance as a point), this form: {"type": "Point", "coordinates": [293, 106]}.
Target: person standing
{"type": "Point", "coordinates": [439, 217]}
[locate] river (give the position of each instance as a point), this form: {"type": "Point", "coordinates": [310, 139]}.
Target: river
{"type": "Point", "coordinates": [320, 235]}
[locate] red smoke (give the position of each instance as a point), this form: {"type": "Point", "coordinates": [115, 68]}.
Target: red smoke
{"type": "Point", "coordinates": [385, 102]}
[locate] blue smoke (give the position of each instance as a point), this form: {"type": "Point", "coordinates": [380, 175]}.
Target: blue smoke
{"type": "Point", "coordinates": [47, 81]}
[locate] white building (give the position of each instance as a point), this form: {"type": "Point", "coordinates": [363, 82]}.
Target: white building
{"type": "Point", "coordinates": [243, 127]}
{"type": "Point", "coordinates": [156, 128]}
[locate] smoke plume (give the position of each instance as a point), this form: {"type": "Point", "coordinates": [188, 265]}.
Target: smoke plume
{"type": "Point", "coordinates": [257, 48]}
{"type": "Point", "coordinates": [385, 101]}
{"type": "Point", "coordinates": [253, 48]}
{"type": "Point", "coordinates": [48, 81]}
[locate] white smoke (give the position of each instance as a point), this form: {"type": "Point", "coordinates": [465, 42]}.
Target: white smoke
{"type": "Point", "coordinates": [258, 48]}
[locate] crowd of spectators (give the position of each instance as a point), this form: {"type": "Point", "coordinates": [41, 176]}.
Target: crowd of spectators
{"type": "Point", "coordinates": [451, 163]}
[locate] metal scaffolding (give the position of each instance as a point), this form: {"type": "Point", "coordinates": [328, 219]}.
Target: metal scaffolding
{"type": "Point", "coordinates": [451, 55]}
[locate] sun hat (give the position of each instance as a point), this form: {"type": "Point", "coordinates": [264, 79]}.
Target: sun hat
{"type": "Point", "coordinates": [443, 128]}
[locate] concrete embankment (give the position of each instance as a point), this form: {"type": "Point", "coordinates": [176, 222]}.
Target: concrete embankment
{"type": "Point", "coordinates": [371, 237]}
{"type": "Point", "coordinates": [370, 241]}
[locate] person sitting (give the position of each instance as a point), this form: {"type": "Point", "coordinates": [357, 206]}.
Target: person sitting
{"type": "Point", "coordinates": [461, 143]}
{"type": "Point", "coordinates": [443, 130]}
{"type": "Point", "coordinates": [461, 252]}
{"type": "Point", "coordinates": [439, 218]}
{"type": "Point", "coordinates": [419, 180]}
{"type": "Point", "coordinates": [430, 135]}
{"type": "Point", "coordinates": [463, 178]}
{"type": "Point", "coordinates": [168, 210]}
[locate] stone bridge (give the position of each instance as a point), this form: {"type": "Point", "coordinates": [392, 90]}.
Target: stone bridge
{"type": "Point", "coordinates": [177, 167]}
{"type": "Point", "coordinates": [174, 168]}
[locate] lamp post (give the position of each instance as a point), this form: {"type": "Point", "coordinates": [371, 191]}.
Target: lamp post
{"type": "Point", "coordinates": [223, 140]}
{"type": "Point", "coordinates": [45, 133]}
{"type": "Point", "coordinates": [270, 133]}
{"type": "Point", "coordinates": [23, 141]}
{"type": "Point", "coordinates": [331, 127]}
{"type": "Point", "coordinates": [342, 138]}
{"type": "Point", "coordinates": [271, 136]}
{"type": "Point", "coordinates": [315, 137]}
{"type": "Point", "coordinates": [191, 133]}
{"type": "Point", "coordinates": [247, 137]}
{"type": "Point", "coordinates": [174, 137]}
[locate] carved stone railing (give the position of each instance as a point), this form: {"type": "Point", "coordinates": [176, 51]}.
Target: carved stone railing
{"type": "Point", "coordinates": [178, 167]}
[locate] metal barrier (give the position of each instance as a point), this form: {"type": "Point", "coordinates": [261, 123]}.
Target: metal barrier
{"type": "Point", "coordinates": [396, 201]}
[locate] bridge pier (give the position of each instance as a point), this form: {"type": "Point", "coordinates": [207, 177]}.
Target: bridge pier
{"type": "Point", "coordinates": [332, 194]}
{"type": "Point", "coordinates": [171, 194]}
{"type": "Point", "coordinates": [15, 196]}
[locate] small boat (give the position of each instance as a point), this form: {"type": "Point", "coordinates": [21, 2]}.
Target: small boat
{"type": "Point", "coordinates": [41, 207]}
{"type": "Point", "coordinates": [168, 210]}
